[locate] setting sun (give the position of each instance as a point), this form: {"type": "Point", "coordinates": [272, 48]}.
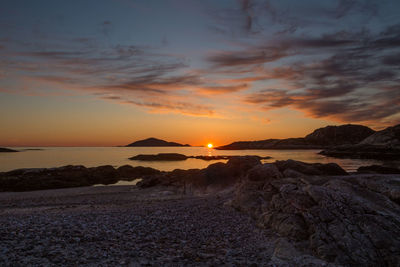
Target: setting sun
{"type": "Point", "coordinates": [210, 145]}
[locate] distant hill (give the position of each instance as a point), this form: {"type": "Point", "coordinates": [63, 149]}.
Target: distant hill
{"type": "Point", "coordinates": [2, 149]}
{"type": "Point", "coordinates": [153, 142]}
{"type": "Point", "coordinates": [321, 138]}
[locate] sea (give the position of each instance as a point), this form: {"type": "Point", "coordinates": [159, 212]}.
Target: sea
{"type": "Point", "coordinates": [48, 157]}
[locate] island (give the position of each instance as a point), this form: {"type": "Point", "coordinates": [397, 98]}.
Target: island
{"type": "Point", "coordinates": [321, 138]}
{"type": "Point", "coordinates": [154, 142]}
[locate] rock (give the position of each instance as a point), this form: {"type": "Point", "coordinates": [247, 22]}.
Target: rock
{"type": "Point", "coordinates": [153, 142]}
{"type": "Point", "coordinates": [217, 176]}
{"type": "Point", "coordinates": [292, 173]}
{"type": "Point", "coordinates": [263, 172]}
{"type": "Point", "coordinates": [389, 138]}
{"type": "Point", "coordinates": [383, 145]}
{"type": "Point", "coordinates": [160, 157]}
{"type": "Point", "coordinates": [310, 168]}
{"type": "Point", "coordinates": [224, 157]}
{"type": "Point", "coordinates": [285, 250]}
{"type": "Point", "coordinates": [378, 169]}
{"type": "Point", "coordinates": [342, 220]}
{"type": "Point", "coordinates": [68, 176]}
{"type": "Point", "coordinates": [128, 173]}
{"type": "Point", "coordinates": [103, 175]}
{"type": "Point", "coordinates": [3, 149]}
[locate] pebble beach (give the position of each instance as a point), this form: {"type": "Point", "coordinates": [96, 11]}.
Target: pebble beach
{"type": "Point", "coordinates": [123, 225]}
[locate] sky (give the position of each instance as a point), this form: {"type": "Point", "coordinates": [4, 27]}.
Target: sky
{"type": "Point", "coordinates": [110, 72]}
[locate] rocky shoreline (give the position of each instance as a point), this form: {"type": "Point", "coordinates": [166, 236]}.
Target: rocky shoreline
{"type": "Point", "coordinates": [242, 212]}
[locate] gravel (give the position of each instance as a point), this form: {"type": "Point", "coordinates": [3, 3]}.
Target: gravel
{"type": "Point", "coordinates": [126, 226]}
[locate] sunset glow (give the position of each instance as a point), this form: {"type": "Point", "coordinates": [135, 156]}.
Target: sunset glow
{"type": "Point", "coordinates": [210, 145]}
{"type": "Point", "coordinates": [203, 70]}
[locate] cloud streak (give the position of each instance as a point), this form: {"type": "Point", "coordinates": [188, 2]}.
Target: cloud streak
{"type": "Point", "coordinates": [273, 54]}
{"type": "Point", "coordinates": [341, 75]}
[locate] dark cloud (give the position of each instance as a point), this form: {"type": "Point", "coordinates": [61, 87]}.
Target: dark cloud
{"type": "Point", "coordinates": [107, 28]}
{"type": "Point", "coordinates": [156, 84]}
{"type": "Point", "coordinates": [343, 78]}
{"type": "Point", "coordinates": [392, 60]}
{"type": "Point", "coordinates": [248, 57]}
{"type": "Point", "coordinates": [240, 19]}
{"type": "Point", "coordinates": [223, 89]}
{"type": "Point", "coordinates": [124, 74]}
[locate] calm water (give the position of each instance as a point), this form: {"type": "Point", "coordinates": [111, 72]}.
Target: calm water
{"type": "Point", "coordinates": [118, 156]}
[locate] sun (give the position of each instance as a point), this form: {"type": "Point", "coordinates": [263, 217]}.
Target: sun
{"type": "Point", "coordinates": [209, 145]}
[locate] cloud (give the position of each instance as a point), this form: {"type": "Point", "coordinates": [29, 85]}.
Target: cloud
{"type": "Point", "coordinates": [124, 74]}
{"type": "Point", "coordinates": [162, 105]}
{"type": "Point", "coordinates": [247, 57]}
{"type": "Point", "coordinates": [329, 59]}
{"type": "Point", "coordinates": [215, 90]}
{"type": "Point", "coordinates": [342, 76]}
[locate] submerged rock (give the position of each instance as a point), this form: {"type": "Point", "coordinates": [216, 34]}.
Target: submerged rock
{"type": "Point", "coordinates": [3, 149]}
{"type": "Point", "coordinates": [160, 157]}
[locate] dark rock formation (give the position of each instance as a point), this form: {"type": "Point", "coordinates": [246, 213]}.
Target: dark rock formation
{"type": "Point", "coordinates": [382, 145]}
{"type": "Point", "coordinates": [320, 138]}
{"type": "Point", "coordinates": [68, 176]}
{"type": "Point", "coordinates": [345, 220]}
{"type": "Point", "coordinates": [389, 137]}
{"type": "Point", "coordinates": [217, 176]}
{"type": "Point", "coordinates": [224, 157]}
{"type": "Point", "coordinates": [3, 149]}
{"type": "Point", "coordinates": [378, 169]}
{"type": "Point", "coordinates": [321, 214]}
{"type": "Point", "coordinates": [153, 142]}
{"type": "Point", "coordinates": [319, 211]}
{"type": "Point", "coordinates": [178, 157]}
{"type": "Point", "coordinates": [160, 157]}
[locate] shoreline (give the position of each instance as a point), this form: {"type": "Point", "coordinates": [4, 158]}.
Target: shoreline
{"type": "Point", "coordinates": [243, 212]}
{"type": "Point", "coordinates": [122, 226]}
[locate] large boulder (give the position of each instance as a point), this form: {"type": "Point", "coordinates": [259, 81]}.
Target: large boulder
{"type": "Point", "coordinates": [288, 166]}
{"type": "Point", "coordinates": [128, 173]}
{"type": "Point", "coordinates": [216, 177]}
{"type": "Point", "coordinates": [343, 220]}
